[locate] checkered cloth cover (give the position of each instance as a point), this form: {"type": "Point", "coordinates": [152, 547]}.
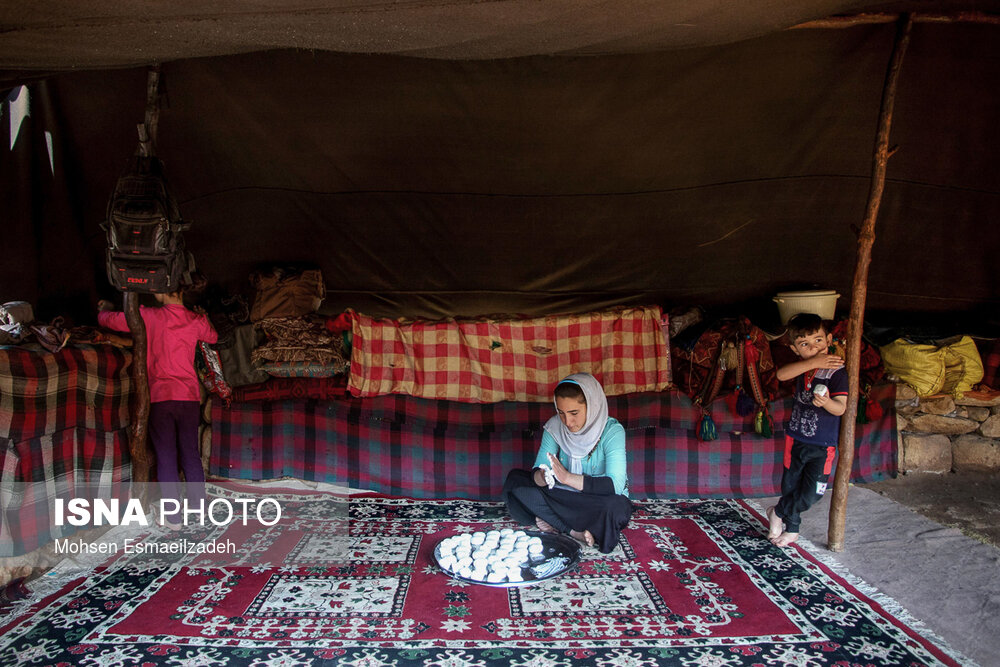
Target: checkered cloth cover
{"type": "Point", "coordinates": [85, 386]}
{"type": "Point", "coordinates": [491, 360]}
{"type": "Point", "coordinates": [421, 448]}
{"type": "Point", "coordinates": [64, 421]}
{"type": "Point", "coordinates": [74, 462]}
{"type": "Point", "coordinates": [280, 389]}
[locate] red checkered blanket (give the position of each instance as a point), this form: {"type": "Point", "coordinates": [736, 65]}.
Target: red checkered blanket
{"type": "Point", "coordinates": [491, 360]}
{"type": "Point", "coordinates": [64, 421]}
{"type": "Point", "coordinates": [424, 448]}
{"type": "Point", "coordinates": [84, 386]}
{"type": "Point", "coordinates": [72, 463]}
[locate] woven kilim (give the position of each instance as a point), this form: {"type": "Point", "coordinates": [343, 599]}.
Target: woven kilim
{"type": "Point", "coordinates": [490, 360]}
{"type": "Point", "coordinates": [689, 583]}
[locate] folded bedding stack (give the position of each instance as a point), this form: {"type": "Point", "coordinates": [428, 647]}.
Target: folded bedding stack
{"type": "Point", "coordinates": [285, 337]}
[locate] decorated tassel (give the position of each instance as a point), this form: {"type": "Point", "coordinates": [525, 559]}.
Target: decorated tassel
{"type": "Point", "coordinates": [707, 430]}
{"type": "Point", "coordinates": [730, 360]}
{"type": "Point", "coordinates": [745, 405]}
{"type": "Point", "coordinates": [763, 425]}
{"type": "Point", "coordinates": [733, 400]}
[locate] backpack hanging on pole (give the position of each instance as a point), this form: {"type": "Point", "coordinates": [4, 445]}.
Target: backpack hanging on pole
{"type": "Point", "coordinates": [146, 251]}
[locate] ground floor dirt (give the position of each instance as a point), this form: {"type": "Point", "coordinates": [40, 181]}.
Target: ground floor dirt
{"type": "Point", "coordinates": [969, 501]}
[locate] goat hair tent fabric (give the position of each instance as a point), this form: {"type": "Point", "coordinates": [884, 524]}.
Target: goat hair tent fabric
{"type": "Point", "coordinates": [482, 174]}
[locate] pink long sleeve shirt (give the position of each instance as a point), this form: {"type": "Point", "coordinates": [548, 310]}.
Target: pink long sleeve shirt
{"type": "Point", "coordinates": [172, 335]}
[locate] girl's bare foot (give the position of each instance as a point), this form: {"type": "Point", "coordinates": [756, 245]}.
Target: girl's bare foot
{"type": "Point", "coordinates": [544, 526]}
{"type": "Point", "coordinates": [775, 524]}
{"type": "Point", "coordinates": [785, 539]}
{"type": "Point", "coordinates": [584, 537]}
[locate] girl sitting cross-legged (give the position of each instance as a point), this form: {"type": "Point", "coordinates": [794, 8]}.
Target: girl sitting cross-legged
{"type": "Point", "coordinates": [579, 483]}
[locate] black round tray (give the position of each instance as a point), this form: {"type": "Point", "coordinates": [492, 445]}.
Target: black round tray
{"type": "Point", "coordinates": [561, 555]}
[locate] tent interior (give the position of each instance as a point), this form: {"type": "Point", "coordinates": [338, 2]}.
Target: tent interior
{"type": "Point", "coordinates": [473, 158]}
{"type": "Point", "coordinates": [526, 157]}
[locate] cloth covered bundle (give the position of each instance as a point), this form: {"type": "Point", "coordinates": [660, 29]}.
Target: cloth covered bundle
{"type": "Point", "coordinates": [286, 291]}
{"type": "Point", "coordinates": [300, 340]}
{"type": "Point", "coordinates": [493, 359]}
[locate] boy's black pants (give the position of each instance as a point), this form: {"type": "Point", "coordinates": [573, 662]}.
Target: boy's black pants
{"type": "Point", "coordinates": [803, 482]}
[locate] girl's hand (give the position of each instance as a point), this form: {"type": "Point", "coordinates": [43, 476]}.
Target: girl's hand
{"type": "Point", "coordinates": [558, 469]}
{"type": "Point", "coordinates": [104, 304]}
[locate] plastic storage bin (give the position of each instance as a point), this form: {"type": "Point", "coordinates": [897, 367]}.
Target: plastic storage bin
{"type": "Point", "coordinates": [821, 302]}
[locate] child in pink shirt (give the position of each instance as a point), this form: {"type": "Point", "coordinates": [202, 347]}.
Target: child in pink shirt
{"type": "Point", "coordinates": [172, 336]}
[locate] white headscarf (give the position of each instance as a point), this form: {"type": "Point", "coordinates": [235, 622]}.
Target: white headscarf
{"type": "Point", "coordinates": [578, 445]}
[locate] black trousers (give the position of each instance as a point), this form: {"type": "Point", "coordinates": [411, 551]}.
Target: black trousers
{"type": "Point", "coordinates": [803, 482]}
{"type": "Point", "coordinates": [603, 515]}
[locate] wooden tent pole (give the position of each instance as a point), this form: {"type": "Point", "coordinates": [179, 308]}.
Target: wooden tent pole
{"type": "Point", "coordinates": [142, 460]}
{"type": "Point", "coordinates": [866, 239]}
{"type": "Point", "coordinates": [138, 448]}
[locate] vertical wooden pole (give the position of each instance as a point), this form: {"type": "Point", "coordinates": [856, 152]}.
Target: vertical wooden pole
{"type": "Point", "coordinates": [866, 239]}
{"type": "Point", "coordinates": [142, 459]}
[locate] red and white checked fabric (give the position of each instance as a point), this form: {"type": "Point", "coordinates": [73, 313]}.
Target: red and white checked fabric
{"type": "Point", "coordinates": [81, 386]}
{"type": "Point", "coordinates": [492, 360]}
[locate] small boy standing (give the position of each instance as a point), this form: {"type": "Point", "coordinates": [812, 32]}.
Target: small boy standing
{"type": "Point", "coordinates": [813, 429]}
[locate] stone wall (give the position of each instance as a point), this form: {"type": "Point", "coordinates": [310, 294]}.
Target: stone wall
{"type": "Point", "coordinates": [942, 433]}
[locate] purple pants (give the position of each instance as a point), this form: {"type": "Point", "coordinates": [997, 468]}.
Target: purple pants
{"type": "Point", "coordinates": [173, 428]}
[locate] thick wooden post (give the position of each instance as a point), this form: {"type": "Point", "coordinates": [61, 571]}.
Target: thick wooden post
{"type": "Point", "coordinates": [142, 458]}
{"type": "Point", "coordinates": [866, 239]}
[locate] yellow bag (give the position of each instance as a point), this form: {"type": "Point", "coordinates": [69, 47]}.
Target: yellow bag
{"type": "Point", "coordinates": [930, 369]}
{"type": "Point", "coordinates": [963, 367]}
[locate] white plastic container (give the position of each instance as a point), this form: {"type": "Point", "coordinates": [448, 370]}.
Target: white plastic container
{"type": "Point", "coordinates": [821, 302]}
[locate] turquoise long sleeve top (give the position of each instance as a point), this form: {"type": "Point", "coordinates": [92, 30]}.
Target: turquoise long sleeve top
{"type": "Point", "coordinates": [607, 459]}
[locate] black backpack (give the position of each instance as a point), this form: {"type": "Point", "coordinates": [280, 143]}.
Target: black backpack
{"type": "Point", "coordinates": [145, 246]}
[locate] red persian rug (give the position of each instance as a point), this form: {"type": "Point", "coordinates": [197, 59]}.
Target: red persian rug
{"type": "Point", "coordinates": [351, 581]}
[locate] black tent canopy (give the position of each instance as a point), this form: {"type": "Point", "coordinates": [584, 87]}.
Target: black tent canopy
{"type": "Point", "coordinates": [521, 157]}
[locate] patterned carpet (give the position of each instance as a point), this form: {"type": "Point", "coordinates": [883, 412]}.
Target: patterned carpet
{"type": "Point", "coordinates": [341, 581]}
